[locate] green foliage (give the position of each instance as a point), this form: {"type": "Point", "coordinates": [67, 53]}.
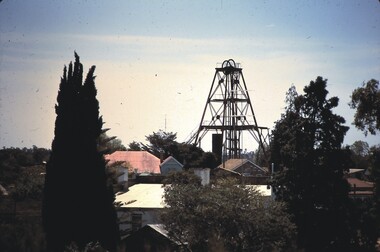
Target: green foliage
{"type": "Point", "coordinates": [12, 161]}
{"type": "Point", "coordinates": [108, 144]}
{"type": "Point", "coordinates": [364, 214]}
{"type": "Point", "coordinates": [90, 247]}
{"type": "Point", "coordinates": [360, 148]}
{"type": "Point", "coordinates": [163, 144]}
{"type": "Point", "coordinates": [78, 202]}
{"type": "Point", "coordinates": [366, 101]}
{"type": "Point", "coordinates": [183, 178]}
{"type": "Point", "coordinates": [224, 217]}
{"type": "Point", "coordinates": [114, 171]}
{"type": "Point", "coordinates": [192, 156]}
{"type": "Point", "coordinates": [29, 184]}
{"type": "Point", "coordinates": [134, 146]}
{"type": "Point", "coordinates": [160, 143]}
{"type": "Point", "coordinates": [309, 164]}
{"type": "Point", "coordinates": [208, 160]}
{"type": "Point", "coordinates": [364, 224]}
{"type": "Point", "coordinates": [22, 234]}
{"type": "Point", "coordinates": [360, 154]}
{"type": "Point", "coordinates": [375, 176]}
{"type": "Point", "coordinates": [22, 174]}
{"type": "Point", "coordinates": [189, 155]}
{"type": "Point", "coordinates": [261, 157]}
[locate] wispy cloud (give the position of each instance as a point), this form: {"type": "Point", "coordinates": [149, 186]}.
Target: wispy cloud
{"type": "Point", "coordinates": [133, 71]}
{"type": "Point", "coordinates": [270, 26]}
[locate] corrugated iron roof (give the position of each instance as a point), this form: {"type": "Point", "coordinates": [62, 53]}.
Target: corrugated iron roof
{"type": "Point", "coordinates": [264, 190]}
{"type": "Point", "coordinates": [152, 195]}
{"type": "Point", "coordinates": [353, 170]}
{"type": "Point", "coordinates": [160, 228]}
{"type": "Point", "coordinates": [142, 161]}
{"type": "Point", "coordinates": [142, 196]}
{"type": "Point", "coordinates": [232, 164]}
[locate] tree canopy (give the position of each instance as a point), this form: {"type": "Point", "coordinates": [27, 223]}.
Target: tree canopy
{"type": "Point", "coordinates": [366, 101]}
{"type": "Point", "coordinates": [309, 166]}
{"type": "Point", "coordinates": [224, 216]}
{"type": "Point", "coordinates": [163, 144]}
{"type": "Point", "coordinates": [107, 144]}
{"type": "Point", "coordinates": [13, 160]}
{"type": "Point", "coordinates": [160, 143]}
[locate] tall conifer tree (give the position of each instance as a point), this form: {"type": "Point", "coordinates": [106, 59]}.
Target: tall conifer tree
{"type": "Point", "coordinates": [309, 163]}
{"type": "Point", "coordinates": [78, 203]}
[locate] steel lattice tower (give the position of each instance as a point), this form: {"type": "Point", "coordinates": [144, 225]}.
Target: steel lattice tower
{"type": "Point", "coordinates": [229, 112]}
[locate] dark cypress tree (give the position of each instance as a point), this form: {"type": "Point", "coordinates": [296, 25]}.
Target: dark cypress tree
{"type": "Point", "coordinates": [78, 203]}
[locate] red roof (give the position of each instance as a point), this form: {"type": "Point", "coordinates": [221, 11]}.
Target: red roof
{"type": "Point", "coordinates": [360, 187]}
{"type": "Point", "coordinates": [360, 184]}
{"type": "Point", "coordinates": [143, 161]}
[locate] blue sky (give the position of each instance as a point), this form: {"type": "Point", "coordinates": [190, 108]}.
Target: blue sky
{"type": "Point", "coordinates": [155, 60]}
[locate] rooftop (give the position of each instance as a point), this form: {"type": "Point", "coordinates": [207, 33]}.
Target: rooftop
{"type": "Point", "coordinates": [142, 196]}
{"type": "Point", "coordinates": [235, 163]}
{"type": "Point", "coordinates": [141, 161]}
{"type": "Point", "coordinates": [152, 195]}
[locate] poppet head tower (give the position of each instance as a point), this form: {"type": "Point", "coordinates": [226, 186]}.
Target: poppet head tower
{"type": "Point", "coordinates": [228, 113]}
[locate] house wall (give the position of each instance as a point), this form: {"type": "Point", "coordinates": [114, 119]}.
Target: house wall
{"type": "Point", "coordinates": [123, 178]}
{"type": "Point", "coordinates": [204, 174]}
{"type": "Point", "coordinates": [170, 166]}
{"type": "Point", "coordinates": [127, 219]}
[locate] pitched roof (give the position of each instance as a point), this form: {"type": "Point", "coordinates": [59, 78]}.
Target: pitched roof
{"type": "Point", "coordinates": [360, 184]}
{"type": "Point", "coordinates": [143, 161]}
{"type": "Point", "coordinates": [353, 170]}
{"type": "Point", "coordinates": [171, 158]}
{"type": "Point", "coordinates": [142, 196]}
{"type": "Point", "coordinates": [152, 234]}
{"type": "Point", "coordinates": [160, 228]}
{"type": "Point", "coordinates": [152, 195]}
{"type": "Point", "coordinates": [264, 190]}
{"type": "Point", "coordinates": [234, 163]}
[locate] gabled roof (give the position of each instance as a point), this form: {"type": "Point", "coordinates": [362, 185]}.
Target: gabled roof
{"type": "Point", "coordinates": [143, 161]}
{"type": "Point", "coordinates": [160, 228]}
{"type": "Point", "coordinates": [169, 159]}
{"type": "Point", "coordinates": [234, 163]}
{"type": "Point", "coordinates": [154, 235]}
{"type": "Point", "coordinates": [353, 170]}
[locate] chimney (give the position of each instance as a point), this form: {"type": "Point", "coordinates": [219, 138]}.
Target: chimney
{"type": "Point", "coordinates": [204, 174]}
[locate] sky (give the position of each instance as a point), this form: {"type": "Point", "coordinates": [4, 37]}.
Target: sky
{"type": "Point", "coordinates": [155, 60]}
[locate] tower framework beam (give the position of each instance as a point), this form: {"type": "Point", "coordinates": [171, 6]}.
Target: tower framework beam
{"type": "Point", "coordinates": [228, 112]}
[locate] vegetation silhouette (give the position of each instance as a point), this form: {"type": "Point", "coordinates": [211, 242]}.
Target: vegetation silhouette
{"type": "Point", "coordinates": [78, 203]}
